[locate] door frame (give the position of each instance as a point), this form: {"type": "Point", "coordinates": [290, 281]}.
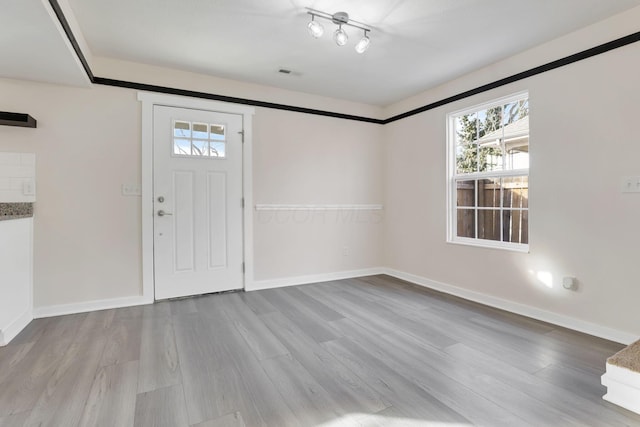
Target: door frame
{"type": "Point", "coordinates": [149, 100]}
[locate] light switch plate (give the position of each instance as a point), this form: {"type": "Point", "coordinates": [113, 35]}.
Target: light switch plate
{"type": "Point", "coordinates": [131, 190]}
{"type": "Point", "coordinates": [29, 188]}
{"type": "Point", "coordinates": [631, 184]}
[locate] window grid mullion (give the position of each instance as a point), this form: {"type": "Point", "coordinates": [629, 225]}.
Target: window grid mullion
{"type": "Point", "coordinates": [493, 174]}
{"type": "Point", "coordinates": [475, 210]}
{"type": "Point", "coordinates": [477, 146]}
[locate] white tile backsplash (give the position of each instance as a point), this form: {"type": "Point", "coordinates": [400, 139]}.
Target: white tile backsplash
{"type": "Point", "coordinates": [17, 177]}
{"type": "Point", "coordinates": [10, 158]}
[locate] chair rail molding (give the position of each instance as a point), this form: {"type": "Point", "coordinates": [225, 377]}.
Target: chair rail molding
{"type": "Point", "coordinates": [319, 207]}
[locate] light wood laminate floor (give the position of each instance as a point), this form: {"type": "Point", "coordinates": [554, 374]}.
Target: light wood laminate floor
{"type": "Point", "coordinates": [373, 351]}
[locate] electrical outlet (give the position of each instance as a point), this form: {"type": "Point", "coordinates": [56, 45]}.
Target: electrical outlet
{"type": "Point", "coordinates": [631, 184]}
{"type": "Point", "coordinates": [569, 283]}
{"type": "Point", "coordinates": [131, 190]}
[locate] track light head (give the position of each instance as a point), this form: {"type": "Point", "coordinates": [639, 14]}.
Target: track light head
{"type": "Point", "coordinates": [363, 44]}
{"type": "Point", "coordinates": [340, 36]}
{"type": "Point", "coordinates": [315, 28]}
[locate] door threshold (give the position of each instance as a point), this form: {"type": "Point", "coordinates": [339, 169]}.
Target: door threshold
{"type": "Point", "coordinates": [230, 291]}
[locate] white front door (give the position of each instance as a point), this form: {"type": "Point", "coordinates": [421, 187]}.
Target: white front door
{"type": "Point", "coordinates": [197, 186]}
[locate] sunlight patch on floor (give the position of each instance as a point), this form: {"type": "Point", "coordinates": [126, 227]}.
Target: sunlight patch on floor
{"type": "Point", "coordinates": [372, 420]}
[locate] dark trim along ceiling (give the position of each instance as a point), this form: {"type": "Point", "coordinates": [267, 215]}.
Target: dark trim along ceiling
{"type": "Point", "coordinates": [585, 54]}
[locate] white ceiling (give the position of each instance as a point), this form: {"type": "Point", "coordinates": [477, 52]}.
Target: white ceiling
{"type": "Point", "coordinates": [415, 44]}
{"type": "Point", "coordinates": [33, 45]}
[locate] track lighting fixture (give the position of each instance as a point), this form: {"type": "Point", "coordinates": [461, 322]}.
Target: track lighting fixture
{"type": "Point", "coordinates": [340, 36]}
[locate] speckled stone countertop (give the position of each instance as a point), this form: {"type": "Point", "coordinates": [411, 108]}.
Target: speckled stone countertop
{"type": "Point", "coordinates": [15, 210]}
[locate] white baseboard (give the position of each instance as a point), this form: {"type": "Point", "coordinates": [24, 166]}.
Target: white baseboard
{"type": "Point", "coordinates": [83, 307]}
{"type": "Point", "coordinates": [513, 307]}
{"type": "Point", "coordinates": [517, 308]}
{"type": "Point", "coordinates": [315, 278]}
{"type": "Point", "coordinates": [15, 327]}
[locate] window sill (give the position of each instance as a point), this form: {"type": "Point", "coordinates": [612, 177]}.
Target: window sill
{"type": "Point", "coordinates": [490, 244]}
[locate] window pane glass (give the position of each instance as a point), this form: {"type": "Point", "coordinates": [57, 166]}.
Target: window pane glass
{"type": "Point", "coordinates": [467, 158]}
{"type": "Point", "coordinates": [515, 226]}
{"type": "Point", "coordinates": [515, 192]}
{"type": "Point", "coordinates": [217, 132]}
{"type": "Point", "coordinates": [492, 121]}
{"type": "Point", "coordinates": [182, 147]}
{"type": "Point", "coordinates": [466, 193]}
{"type": "Point", "coordinates": [466, 148]}
{"type": "Point", "coordinates": [511, 112]}
{"type": "Point", "coordinates": [466, 223]}
{"type": "Point", "coordinates": [182, 130]}
{"type": "Point", "coordinates": [518, 156]}
{"type": "Point", "coordinates": [489, 224]}
{"type": "Point", "coordinates": [489, 137]}
{"type": "Point", "coordinates": [200, 131]}
{"type": "Point", "coordinates": [491, 157]}
{"type": "Point", "coordinates": [515, 111]}
{"type": "Point", "coordinates": [200, 148]}
{"type": "Point", "coordinates": [489, 193]}
{"type": "Point", "coordinates": [217, 149]}
{"type": "Point", "coordinates": [516, 135]}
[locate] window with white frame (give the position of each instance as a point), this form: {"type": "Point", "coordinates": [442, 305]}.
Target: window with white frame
{"type": "Point", "coordinates": [488, 174]}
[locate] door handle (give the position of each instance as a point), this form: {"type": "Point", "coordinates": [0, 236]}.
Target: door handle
{"type": "Point", "coordinates": [163, 213]}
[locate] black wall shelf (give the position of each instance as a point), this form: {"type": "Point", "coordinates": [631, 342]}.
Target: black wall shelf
{"type": "Point", "coordinates": [17, 119]}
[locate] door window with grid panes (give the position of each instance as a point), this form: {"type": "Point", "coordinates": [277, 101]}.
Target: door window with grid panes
{"type": "Point", "coordinates": [488, 168]}
{"type": "Point", "coordinates": [191, 139]}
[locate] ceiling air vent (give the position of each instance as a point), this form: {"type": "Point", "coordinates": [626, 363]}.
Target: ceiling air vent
{"type": "Point", "coordinates": [284, 71]}
{"type": "Point", "coordinates": [17, 119]}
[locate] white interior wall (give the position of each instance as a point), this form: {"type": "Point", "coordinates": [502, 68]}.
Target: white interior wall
{"type": "Point", "coordinates": [312, 160]}
{"type": "Point", "coordinates": [583, 141]}
{"type": "Point", "coordinates": [87, 235]}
